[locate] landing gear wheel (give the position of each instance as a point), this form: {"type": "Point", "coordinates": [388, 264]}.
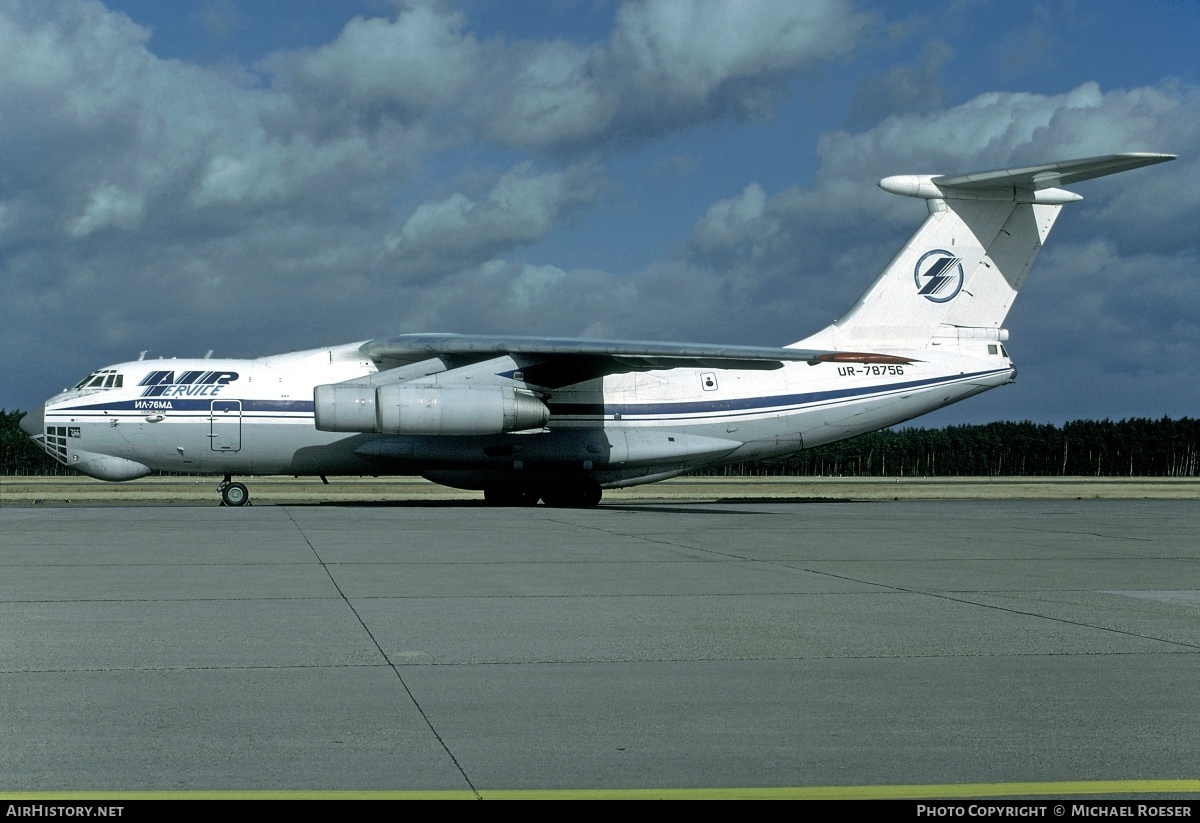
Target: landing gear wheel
{"type": "Point", "coordinates": [590, 494]}
{"type": "Point", "coordinates": [509, 496]}
{"type": "Point", "coordinates": [583, 494]}
{"type": "Point", "coordinates": [234, 494]}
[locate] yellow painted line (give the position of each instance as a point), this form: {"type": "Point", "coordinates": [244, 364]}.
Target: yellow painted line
{"type": "Point", "coordinates": [929, 791]}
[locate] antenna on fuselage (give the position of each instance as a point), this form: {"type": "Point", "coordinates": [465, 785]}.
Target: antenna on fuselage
{"type": "Point", "coordinates": [208, 354]}
{"type": "Point", "coordinates": [142, 356]}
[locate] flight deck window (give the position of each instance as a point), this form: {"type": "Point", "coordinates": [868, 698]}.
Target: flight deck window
{"type": "Point", "coordinates": [105, 379]}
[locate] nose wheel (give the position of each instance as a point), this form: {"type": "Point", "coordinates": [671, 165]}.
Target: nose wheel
{"type": "Point", "coordinates": [233, 494]}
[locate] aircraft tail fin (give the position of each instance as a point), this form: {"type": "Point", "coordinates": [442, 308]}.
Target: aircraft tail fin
{"type": "Point", "coordinates": [959, 274]}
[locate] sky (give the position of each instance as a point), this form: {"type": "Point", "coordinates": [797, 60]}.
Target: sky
{"type": "Point", "coordinates": [259, 177]}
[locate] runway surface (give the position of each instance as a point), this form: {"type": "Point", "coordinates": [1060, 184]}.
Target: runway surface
{"type": "Point", "coordinates": [676, 647]}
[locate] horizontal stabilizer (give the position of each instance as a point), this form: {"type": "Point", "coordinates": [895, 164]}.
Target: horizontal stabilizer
{"type": "Point", "coordinates": [1032, 184]}
{"type": "Point", "coordinates": [1051, 175]}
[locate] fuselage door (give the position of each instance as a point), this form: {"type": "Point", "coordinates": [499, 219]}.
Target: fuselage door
{"type": "Point", "coordinates": [225, 426]}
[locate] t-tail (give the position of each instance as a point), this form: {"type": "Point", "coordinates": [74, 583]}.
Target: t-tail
{"type": "Point", "coordinates": [958, 275]}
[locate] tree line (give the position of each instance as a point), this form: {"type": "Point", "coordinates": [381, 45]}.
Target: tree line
{"type": "Point", "coordinates": [18, 454]}
{"type": "Point", "coordinates": [1136, 447]}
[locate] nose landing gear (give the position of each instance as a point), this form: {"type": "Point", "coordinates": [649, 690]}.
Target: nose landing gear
{"type": "Point", "coordinates": [233, 494]}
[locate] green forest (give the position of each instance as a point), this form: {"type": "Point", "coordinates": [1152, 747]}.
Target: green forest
{"type": "Point", "coordinates": [1089, 448]}
{"type": "Point", "coordinates": [1125, 448]}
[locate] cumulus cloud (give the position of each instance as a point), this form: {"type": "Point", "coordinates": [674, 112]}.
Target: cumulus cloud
{"type": "Point", "coordinates": [403, 67]}
{"type": "Point", "coordinates": [728, 223]}
{"type": "Point", "coordinates": [521, 208]}
{"type": "Point", "coordinates": [904, 88]}
{"type": "Point", "coordinates": [668, 64]}
{"type": "Point", "coordinates": [220, 18]}
{"type": "Point", "coordinates": [108, 206]}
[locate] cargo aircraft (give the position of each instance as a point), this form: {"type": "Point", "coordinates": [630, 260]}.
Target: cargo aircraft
{"type": "Point", "coordinates": [529, 419]}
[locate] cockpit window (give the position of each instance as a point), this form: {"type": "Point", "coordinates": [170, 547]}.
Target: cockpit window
{"type": "Point", "coordinates": [103, 379]}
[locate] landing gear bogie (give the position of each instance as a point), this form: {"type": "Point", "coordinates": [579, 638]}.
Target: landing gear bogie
{"type": "Point", "coordinates": [581, 494]}
{"type": "Point", "coordinates": [510, 496]}
{"type": "Point", "coordinates": [567, 494]}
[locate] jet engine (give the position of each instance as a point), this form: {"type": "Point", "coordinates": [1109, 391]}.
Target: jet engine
{"type": "Point", "coordinates": [430, 410]}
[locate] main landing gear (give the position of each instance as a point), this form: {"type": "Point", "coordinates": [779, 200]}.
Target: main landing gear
{"type": "Point", "coordinates": [510, 496]}
{"type": "Point", "coordinates": [568, 494]}
{"type": "Point", "coordinates": [233, 494]}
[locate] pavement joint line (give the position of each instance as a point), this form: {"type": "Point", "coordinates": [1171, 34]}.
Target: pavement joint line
{"type": "Point", "coordinates": [150, 669]}
{"type": "Point", "coordinates": [1084, 534]}
{"type": "Point", "coordinates": [604, 561]}
{"type": "Point", "coordinates": [636, 661]}
{"type": "Point", "coordinates": [948, 596]}
{"type": "Point", "coordinates": [416, 703]}
{"type": "Point", "coordinates": [248, 599]}
{"type": "Point", "coordinates": [656, 541]}
{"type": "Point", "coordinates": [590, 596]}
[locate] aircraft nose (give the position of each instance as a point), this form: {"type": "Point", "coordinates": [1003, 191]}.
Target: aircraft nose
{"type": "Point", "coordinates": [34, 422]}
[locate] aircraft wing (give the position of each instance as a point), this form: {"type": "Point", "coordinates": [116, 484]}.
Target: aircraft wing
{"type": "Point", "coordinates": [1051, 175]}
{"type": "Point", "coordinates": [556, 361]}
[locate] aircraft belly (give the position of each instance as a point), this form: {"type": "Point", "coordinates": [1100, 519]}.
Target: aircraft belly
{"type": "Point", "coordinates": [94, 448]}
{"type": "Point", "coordinates": [812, 408]}
{"type": "Point", "coordinates": [291, 447]}
{"type": "Point", "coordinates": [564, 450]}
{"type": "Point", "coordinates": [183, 444]}
{"type": "Point", "coordinates": [850, 419]}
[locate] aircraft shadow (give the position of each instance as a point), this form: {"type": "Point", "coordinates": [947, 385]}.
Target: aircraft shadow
{"type": "Point", "coordinates": [699, 507]}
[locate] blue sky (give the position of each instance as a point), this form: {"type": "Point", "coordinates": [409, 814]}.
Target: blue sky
{"type": "Point", "coordinates": [254, 177]}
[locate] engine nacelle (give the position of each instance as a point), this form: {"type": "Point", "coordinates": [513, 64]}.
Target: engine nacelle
{"type": "Point", "coordinates": [486, 410]}
{"type": "Point", "coordinates": [344, 408]}
{"type": "Point", "coordinates": [426, 410]}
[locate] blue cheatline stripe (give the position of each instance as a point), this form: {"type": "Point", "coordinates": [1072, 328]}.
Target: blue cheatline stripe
{"type": "Point", "coordinates": [747, 405]}
{"type": "Point", "coordinates": [204, 405]}
{"type": "Point", "coordinates": [751, 405]}
{"type": "Point", "coordinates": [928, 791]}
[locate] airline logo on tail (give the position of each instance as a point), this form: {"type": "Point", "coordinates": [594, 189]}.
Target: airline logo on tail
{"type": "Point", "coordinates": [939, 276]}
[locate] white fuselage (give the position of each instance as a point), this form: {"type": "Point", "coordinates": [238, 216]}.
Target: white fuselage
{"type": "Point", "coordinates": [256, 417]}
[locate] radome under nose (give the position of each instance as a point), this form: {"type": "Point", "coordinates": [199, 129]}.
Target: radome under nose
{"type": "Point", "coordinates": [34, 422]}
